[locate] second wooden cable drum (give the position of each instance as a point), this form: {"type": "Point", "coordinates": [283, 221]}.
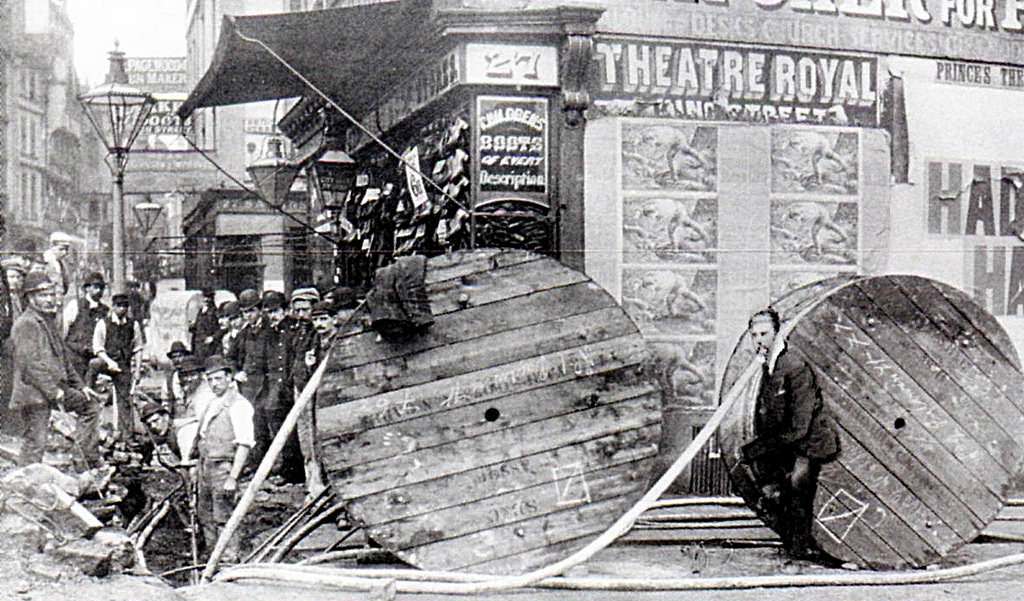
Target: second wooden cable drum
{"type": "Point", "coordinates": [927, 392]}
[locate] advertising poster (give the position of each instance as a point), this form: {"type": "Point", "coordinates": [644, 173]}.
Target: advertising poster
{"type": "Point", "coordinates": [676, 157]}
{"type": "Point", "coordinates": [670, 230]}
{"type": "Point", "coordinates": [814, 232]}
{"type": "Point", "coordinates": [512, 144]}
{"type": "Point", "coordinates": [685, 370]}
{"type": "Point", "coordinates": [670, 302]}
{"type": "Point", "coordinates": [813, 160]}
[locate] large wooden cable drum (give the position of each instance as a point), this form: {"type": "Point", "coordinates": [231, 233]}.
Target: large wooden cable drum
{"type": "Point", "coordinates": [927, 392]}
{"type": "Point", "coordinates": [510, 434]}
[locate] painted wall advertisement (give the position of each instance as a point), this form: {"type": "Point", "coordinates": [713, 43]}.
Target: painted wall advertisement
{"type": "Point", "coordinates": [703, 80]}
{"type": "Point", "coordinates": [983, 204]}
{"type": "Point", "coordinates": [512, 144]}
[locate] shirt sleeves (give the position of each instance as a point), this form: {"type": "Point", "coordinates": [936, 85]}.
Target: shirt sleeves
{"type": "Point", "coordinates": [99, 337]}
{"type": "Point", "coordinates": [241, 413]}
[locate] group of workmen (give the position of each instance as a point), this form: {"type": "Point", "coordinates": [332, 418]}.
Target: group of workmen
{"type": "Point", "coordinates": [223, 402]}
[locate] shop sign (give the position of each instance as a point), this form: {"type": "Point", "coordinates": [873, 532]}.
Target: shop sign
{"type": "Point", "coordinates": [978, 30]}
{"type": "Point", "coordinates": [719, 82]}
{"type": "Point", "coordinates": [157, 74]}
{"type": "Point", "coordinates": [511, 64]}
{"type": "Point", "coordinates": [983, 204]}
{"type": "Point", "coordinates": [162, 130]}
{"type": "Point", "coordinates": [979, 75]}
{"type": "Point", "coordinates": [512, 144]}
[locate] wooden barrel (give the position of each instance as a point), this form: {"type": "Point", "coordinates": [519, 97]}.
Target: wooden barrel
{"type": "Point", "coordinates": [926, 389]}
{"type": "Point", "coordinates": [513, 432]}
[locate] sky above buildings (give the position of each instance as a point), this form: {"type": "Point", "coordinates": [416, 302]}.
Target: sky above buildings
{"type": "Point", "coordinates": [143, 28]}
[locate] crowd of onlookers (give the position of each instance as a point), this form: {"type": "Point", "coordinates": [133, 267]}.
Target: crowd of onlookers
{"type": "Point", "coordinates": [227, 394]}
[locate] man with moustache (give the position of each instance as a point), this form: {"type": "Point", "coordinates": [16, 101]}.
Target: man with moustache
{"type": "Point", "coordinates": [44, 378]}
{"type": "Point", "coordinates": [794, 435]}
{"type": "Point", "coordinates": [277, 398]}
{"type": "Point", "coordinates": [249, 358]}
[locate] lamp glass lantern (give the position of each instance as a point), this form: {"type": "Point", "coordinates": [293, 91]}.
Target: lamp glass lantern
{"type": "Point", "coordinates": [273, 174]}
{"type": "Point", "coordinates": [332, 175]}
{"type": "Point", "coordinates": [146, 214]}
{"type": "Point", "coordinates": [117, 111]}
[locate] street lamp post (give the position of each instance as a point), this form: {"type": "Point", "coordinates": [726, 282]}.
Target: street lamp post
{"type": "Point", "coordinates": [117, 112]}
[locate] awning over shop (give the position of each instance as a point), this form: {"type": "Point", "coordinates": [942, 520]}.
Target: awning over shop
{"type": "Point", "coordinates": [353, 54]}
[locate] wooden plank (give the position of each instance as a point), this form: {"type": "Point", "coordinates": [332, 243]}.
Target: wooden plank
{"type": "Point", "coordinates": [472, 324]}
{"type": "Point", "coordinates": [864, 411]}
{"type": "Point", "coordinates": [986, 412]}
{"type": "Point", "coordinates": [572, 488]}
{"type": "Point", "coordinates": [499, 286]}
{"type": "Point", "coordinates": [613, 450]}
{"type": "Point", "coordinates": [973, 342]}
{"type": "Point", "coordinates": [469, 421]}
{"type": "Point", "coordinates": [504, 445]}
{"type": "Point", "coordinates": [458, 264]}
{"type": "Point", "coordinates": [486, 385]}
{"type": "Point", "coordinates": [922, 417]}
{"type": "Point", "coordinates": [524, 561]}
{"type": "Point", "coordinates": [982, 321]}
{"type": "Point", "coordinates": [502, 543]}
{"type": "Point", "coordinates": [575, 332]}
{"type": "Point", "coordinates": [907, 364]}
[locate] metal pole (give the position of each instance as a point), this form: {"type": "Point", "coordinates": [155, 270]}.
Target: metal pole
{"type": "Point", "coordinates": [118, 227]}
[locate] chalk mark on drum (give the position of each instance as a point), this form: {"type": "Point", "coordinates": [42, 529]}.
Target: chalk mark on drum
{"type": "Point", "coordinates": [860, 508]}
{"type": "Point", "coordinates": [565, 476]}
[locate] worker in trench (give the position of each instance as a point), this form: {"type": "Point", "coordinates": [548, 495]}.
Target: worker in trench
{"type": "Point", "coordinates": [225, 437]}
{"type": "Point", "coordinates": [794, 435]}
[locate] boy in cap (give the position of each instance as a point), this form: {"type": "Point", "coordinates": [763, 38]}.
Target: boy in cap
{"type": "Point", "coordinates": [117, 340]}
{"type": "Point", "coordinates": [225, 437]}
{"type": "Point", "coordinates": [157, 421]}
{"type": "Point", "coordinates": [44, 378]}
{"type": "Point", "coordinates": [15, 269]}
{"type": "Point", "coordinates": [90, 310]}
{"type": "Point", "coordinates": [172, 392]}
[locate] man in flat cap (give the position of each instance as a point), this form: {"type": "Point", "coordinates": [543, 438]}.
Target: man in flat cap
{"type": "Point", "coordinates": [90, 311]}
{"type": "Point", "coordinates": [205, 327]}
{"type": "Point", "coordinates": [276, 400]}
{"type": "Point", "coordinates": [230, 320]}
{"type": "Point", "coordinates": [117, 340]}
{"type": "Point", "coordinates": [44, 378]}
{"type": "Point", "coordinates": [225, 438]}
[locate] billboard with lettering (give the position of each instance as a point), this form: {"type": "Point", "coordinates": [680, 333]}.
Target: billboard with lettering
{"type": "Point", "coordinates": [701, 80]}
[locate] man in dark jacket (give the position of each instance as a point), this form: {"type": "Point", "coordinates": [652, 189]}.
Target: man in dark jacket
{"type": "Point", "coordinates": [794, 436]}
{"type": "Point", "coordinates": [249, 359]}
{"type": "Point", "coordinates": [44, 378]}
{"type": "Point", "coordinates": [276, 400]}
{"type": "Point", "coordinates": [90, 311]}
{"type": "Point", "coordinates": [205, 328]}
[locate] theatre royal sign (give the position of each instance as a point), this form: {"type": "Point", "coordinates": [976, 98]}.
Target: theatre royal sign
{"type": "Point", "coordinates": [979, 30]}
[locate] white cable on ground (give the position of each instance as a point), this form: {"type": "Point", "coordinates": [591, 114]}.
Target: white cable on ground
{"type": "Point", "coordinates": [418, 581]}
